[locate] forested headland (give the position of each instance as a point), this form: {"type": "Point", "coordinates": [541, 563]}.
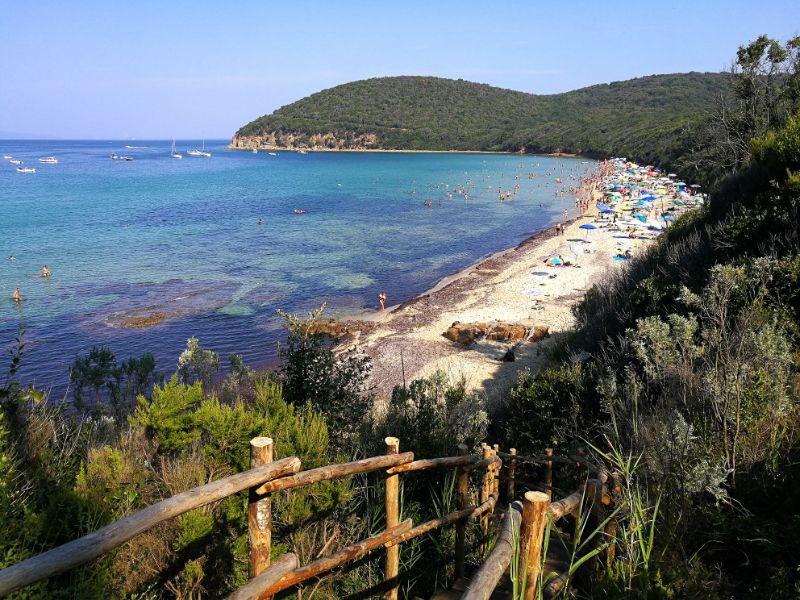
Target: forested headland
{"type": "Point", "coordinates": [651, 119]}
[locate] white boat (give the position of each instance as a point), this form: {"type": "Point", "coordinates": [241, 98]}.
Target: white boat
{"type": "Point", "coordinates": [135, 147]}
{"type": "Point", "coordinates": [8, 157]}
{"type": "Point", "coordinates": [303, 152]}
{"type": "Point", "coordinates": [174, 154]}
{"type": "Point", "coordinates": [50, 160]}
{"type": "Point", "coordinates": [200, 152]}
{"type": "Point", "coordinates": [114, 156]}
{"type": "Point", "coordinates": [126, 158]}
{"type": "Point", "coordinates": [26, 170]}
{"type": "Point", "coordinates": [273, 154]}
{"type": "Point", "coordinates": [255, 150]}
{"type": "Point", "coordinates": [15, 161]}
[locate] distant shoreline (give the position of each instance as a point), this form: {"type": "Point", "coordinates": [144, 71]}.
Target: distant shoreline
{"type": "Point", "coordinates": [387, 151]}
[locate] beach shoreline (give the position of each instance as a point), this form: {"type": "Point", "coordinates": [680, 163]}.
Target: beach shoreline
{"type": "Point", "coordinates": [400, 151]}
{"type": "Point", "coordinates": [519, 287]}
{"type": "Point", "coordinates": [406, 340]}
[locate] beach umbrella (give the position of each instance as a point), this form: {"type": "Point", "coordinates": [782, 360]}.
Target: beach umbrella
{"type": "Point", "coordinates": [587, 227]}
{"type": "Point", "coordinates": [695, 185]}
{"type": "Point", "coordinates": [680, 183]}
{"type": "Point", "coordinates": [607, 211]}
{"type": "Point", "coordinates": [648, 198]}
{"type": "Point", "coordinates": [667, 218]}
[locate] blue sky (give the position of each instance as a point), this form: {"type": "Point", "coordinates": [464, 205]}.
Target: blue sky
{"type": "Point", "coordinates": [161, 69]}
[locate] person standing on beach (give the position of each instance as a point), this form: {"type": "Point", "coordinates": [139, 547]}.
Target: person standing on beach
{"type": "Point", "coordinates": [382, 299]}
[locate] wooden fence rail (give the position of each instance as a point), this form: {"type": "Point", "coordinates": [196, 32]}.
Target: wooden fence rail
{"type": "Point", "coordinates": [267, 477]}
{"type": "Point", "coordinates": [75, 553]}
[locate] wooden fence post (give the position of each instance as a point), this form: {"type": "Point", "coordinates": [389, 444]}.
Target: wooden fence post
{"type": "Point", "coordinates": [462, 490]}
{"type": "Point", "coordinates": [548, 474]}
{"type": "Point", "coordinates": [392, 519]}
{"type": "Point", "coordinates": [485, 493]}
{"type": "Point", "coordinates": [498, 466]}
{"type": "Point", "coordinates": [534, 517]}
{"type": "Point", "coordinates": [512, 470]}
{"type": "Point", "coordinates": [259, 510]}
{"type": "Point", "coordinates": [611, 526]}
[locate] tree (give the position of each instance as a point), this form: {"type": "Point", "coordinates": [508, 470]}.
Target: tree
{"type": "Point", "coordinates": [333, 386]}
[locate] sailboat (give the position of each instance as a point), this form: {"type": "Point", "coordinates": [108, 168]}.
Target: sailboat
{"type": "Point", "coordinates": [174, 153]}
{"type": "Point", "coordinates": [200, 152]}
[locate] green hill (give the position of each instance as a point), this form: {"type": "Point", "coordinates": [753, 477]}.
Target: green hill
{"type": "Point", "coordinates": [644, 118]}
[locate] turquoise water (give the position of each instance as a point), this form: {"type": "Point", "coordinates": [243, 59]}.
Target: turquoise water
{"type": "Point", "coordinates": [181, 237]}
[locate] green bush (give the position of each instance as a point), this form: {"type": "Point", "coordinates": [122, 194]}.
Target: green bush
{"type": "Point", "coordinates": [433, 416]}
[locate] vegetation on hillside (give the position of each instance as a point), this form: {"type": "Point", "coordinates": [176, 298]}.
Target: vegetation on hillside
{"type": "Point", "coordinates": [652, 118]}
{"type": "Point", "coordinates": [695, 366]}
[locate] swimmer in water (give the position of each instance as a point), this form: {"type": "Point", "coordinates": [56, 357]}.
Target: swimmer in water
{"type": "Point", "coordinates": [15, 296]}
{"type": "Point", "coordinates": [45, 272]}
{"type": "Point", "coordinates": [12, 258]}
{"type": "Point", "coordinates": [260, 221]}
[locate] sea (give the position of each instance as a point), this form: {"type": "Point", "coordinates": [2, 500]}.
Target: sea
{"type": "Point", "coordinates": [181, 239]}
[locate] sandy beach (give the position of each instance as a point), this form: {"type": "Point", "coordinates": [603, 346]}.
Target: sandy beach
{"type": "Point", "coordinates": [492, 290]}
{"type": "Point", "coordinates": [515, 286]}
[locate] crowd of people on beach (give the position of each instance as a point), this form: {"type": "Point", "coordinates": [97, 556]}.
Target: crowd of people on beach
{"type": "Point", "coordinates": [633, 202]}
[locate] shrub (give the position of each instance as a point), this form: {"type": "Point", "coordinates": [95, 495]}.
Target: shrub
{"type": "Point", "coordinates": [311, 373]}
{"type": "Point", "coordinates": [433, 416]}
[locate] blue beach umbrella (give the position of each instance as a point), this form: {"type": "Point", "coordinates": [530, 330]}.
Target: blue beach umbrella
{"type": "Point", "coordinates": [587, 227]}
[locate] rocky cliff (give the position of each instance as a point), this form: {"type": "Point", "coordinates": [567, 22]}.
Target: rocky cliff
{"type": "Point", "coordinates": [297, 140]}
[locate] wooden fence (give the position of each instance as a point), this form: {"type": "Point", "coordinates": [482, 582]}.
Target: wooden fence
{"type": "Point", "coordinates": [267, 477]}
